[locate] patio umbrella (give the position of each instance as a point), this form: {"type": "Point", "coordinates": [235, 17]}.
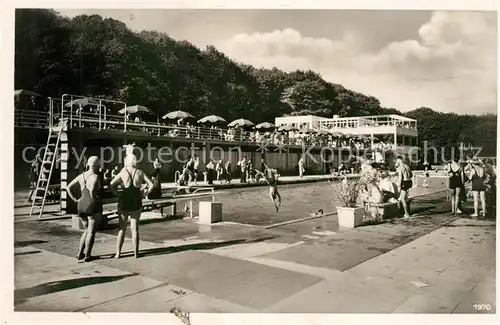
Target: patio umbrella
{"type": "Point", "coordinates": [82, 102]}
{"type": "Point", "coordinates": [336, 134]}
{"type": "Point", "coordinates": [135, 109]}
{"type": "Point", "coordinates": [176, 115]}
{"type": "Point", "coordinates": [307, 130]}
{"type": "Point", "coordinates": [287, 127]}
{"type": "Point", "coordinates": [24, 92]}
{"type": "Point", "coordinates": [265, 126]}
{"type": "Point", "coordinates": [322, 132]}
{"type": "Point", "coordinates": [212, 119]}
{"type": "Point", "coordinates": [241, 123]}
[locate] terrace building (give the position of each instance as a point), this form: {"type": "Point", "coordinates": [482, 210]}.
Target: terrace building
{"type": "Point", "coordinates": [389, 132]}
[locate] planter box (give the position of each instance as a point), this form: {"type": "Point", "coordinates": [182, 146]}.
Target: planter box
{"type": "Point", "coordinates": [350, 217]}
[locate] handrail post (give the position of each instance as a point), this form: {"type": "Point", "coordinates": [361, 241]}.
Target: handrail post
{"type": "Point", "coordinates": [50, 112]}
{"type": "Point", "coordinates": [105, 109]}
{"type": "Point", "coordinates": [62, 106]}
{"type": "Point", "coordinates": [80, 109]}
{"type": "Point", "coordinates": [175, 176]}
{"type": "Point", "coordinates": [71, 111]}
{"type": "Point", "coordinates": [125, 118]}
{"type": "Point", "coordinates": [100, 106]}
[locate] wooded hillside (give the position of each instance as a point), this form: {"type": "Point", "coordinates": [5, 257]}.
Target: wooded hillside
{"type": "Point", "coordinates": [99, 57]}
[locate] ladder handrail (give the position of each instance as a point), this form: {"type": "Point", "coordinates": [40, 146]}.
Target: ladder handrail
{"type": "Point", "coordinates": [176, 177]}
{"type": "Point", "coordinates": [51, 110]}
{"type": "Point", "coordinates": [100, 100]}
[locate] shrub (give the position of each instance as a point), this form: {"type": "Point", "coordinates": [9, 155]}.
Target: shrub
{"type": "Point", "coordinates": [347, 192]}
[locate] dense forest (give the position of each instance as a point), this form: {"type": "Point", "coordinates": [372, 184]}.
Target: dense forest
{"type": "Point", "coordinates": [103, 58]}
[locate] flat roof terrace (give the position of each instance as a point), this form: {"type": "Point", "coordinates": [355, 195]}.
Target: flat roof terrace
{"type": "Point", "coordinates": [92, 122]}
{"type": "Point", "coordinates": [373, 121]}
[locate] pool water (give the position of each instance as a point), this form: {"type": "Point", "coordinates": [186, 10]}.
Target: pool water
{"type": "Point", "coordinates": [254, 206]}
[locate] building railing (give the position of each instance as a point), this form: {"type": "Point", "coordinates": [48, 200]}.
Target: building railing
{"type": "Point", "coordinates": [31, 119]}
{"type": "Point", "coordinates": [337, 125]}
{"type": "Point", "coordinates": [116, 122]}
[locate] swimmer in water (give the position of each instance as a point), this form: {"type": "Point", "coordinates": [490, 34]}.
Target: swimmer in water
{"type": "Point", "coordinates": [273, 185]}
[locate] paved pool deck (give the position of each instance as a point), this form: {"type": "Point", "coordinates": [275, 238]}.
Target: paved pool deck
{"type": "Point", "coordinates": [433, 263]}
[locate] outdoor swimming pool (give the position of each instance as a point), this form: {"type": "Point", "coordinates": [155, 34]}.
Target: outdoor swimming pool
{"type": "Point", "coordinates": [253, 205]}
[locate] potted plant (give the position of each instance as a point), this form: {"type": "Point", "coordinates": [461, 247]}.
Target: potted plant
{"type": "Point", "coordinates": [350, 214]}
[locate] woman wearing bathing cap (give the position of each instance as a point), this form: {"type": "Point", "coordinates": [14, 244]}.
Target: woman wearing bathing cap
{"type": "Point", "coordinates": [89, 205]}
{"type": "Point", "coordinates": [479, 180]}
{"type": "Point", "coordinates": [130, 200]}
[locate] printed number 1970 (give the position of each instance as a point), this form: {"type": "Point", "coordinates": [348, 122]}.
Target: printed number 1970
{"type": "Point", "coordinates": [482, 307]}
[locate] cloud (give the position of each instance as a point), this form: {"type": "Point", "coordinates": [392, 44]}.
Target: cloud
{"type": "Point", "coordinates": [451, 66]}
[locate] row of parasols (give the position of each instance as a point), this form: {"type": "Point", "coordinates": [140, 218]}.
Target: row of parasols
{"type": "Point", "coordinates": [244, 123]}
{"type": "Point", "coordinates": [211, 119]}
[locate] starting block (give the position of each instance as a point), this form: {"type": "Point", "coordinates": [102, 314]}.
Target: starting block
{"type": "Point", "coordinates": [210, 212]}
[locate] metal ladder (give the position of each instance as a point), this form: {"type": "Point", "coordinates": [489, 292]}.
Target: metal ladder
{"type": "Point", "coordinates": [45, 173]}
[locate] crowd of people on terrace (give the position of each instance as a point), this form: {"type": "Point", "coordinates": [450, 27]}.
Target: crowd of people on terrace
{"type": "Point", "coordinates": [185, 128]}
{"type": "Point", "coordinates": [270, 136]}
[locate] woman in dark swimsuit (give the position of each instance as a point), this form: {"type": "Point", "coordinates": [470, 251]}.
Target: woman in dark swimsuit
{"type": "Point", "coordinates": [130, 200]}
{"type": "Point", "coordinates": [490, 188]}
{"type": "Point", "coordinates": [478, 179]}
{"type": "Point", "coordinates": [89, 206]}
{"type": "Point", "coordinates": [457, 178]}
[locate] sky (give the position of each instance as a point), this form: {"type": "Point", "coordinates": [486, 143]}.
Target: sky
{"type": "Point", "coordinates": [445, 60]}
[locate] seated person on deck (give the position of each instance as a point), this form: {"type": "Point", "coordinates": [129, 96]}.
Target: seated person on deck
{"type": "Point", "coordinates": [388, 188]}
{"type": "Point", "coordinates": [370, 194]}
